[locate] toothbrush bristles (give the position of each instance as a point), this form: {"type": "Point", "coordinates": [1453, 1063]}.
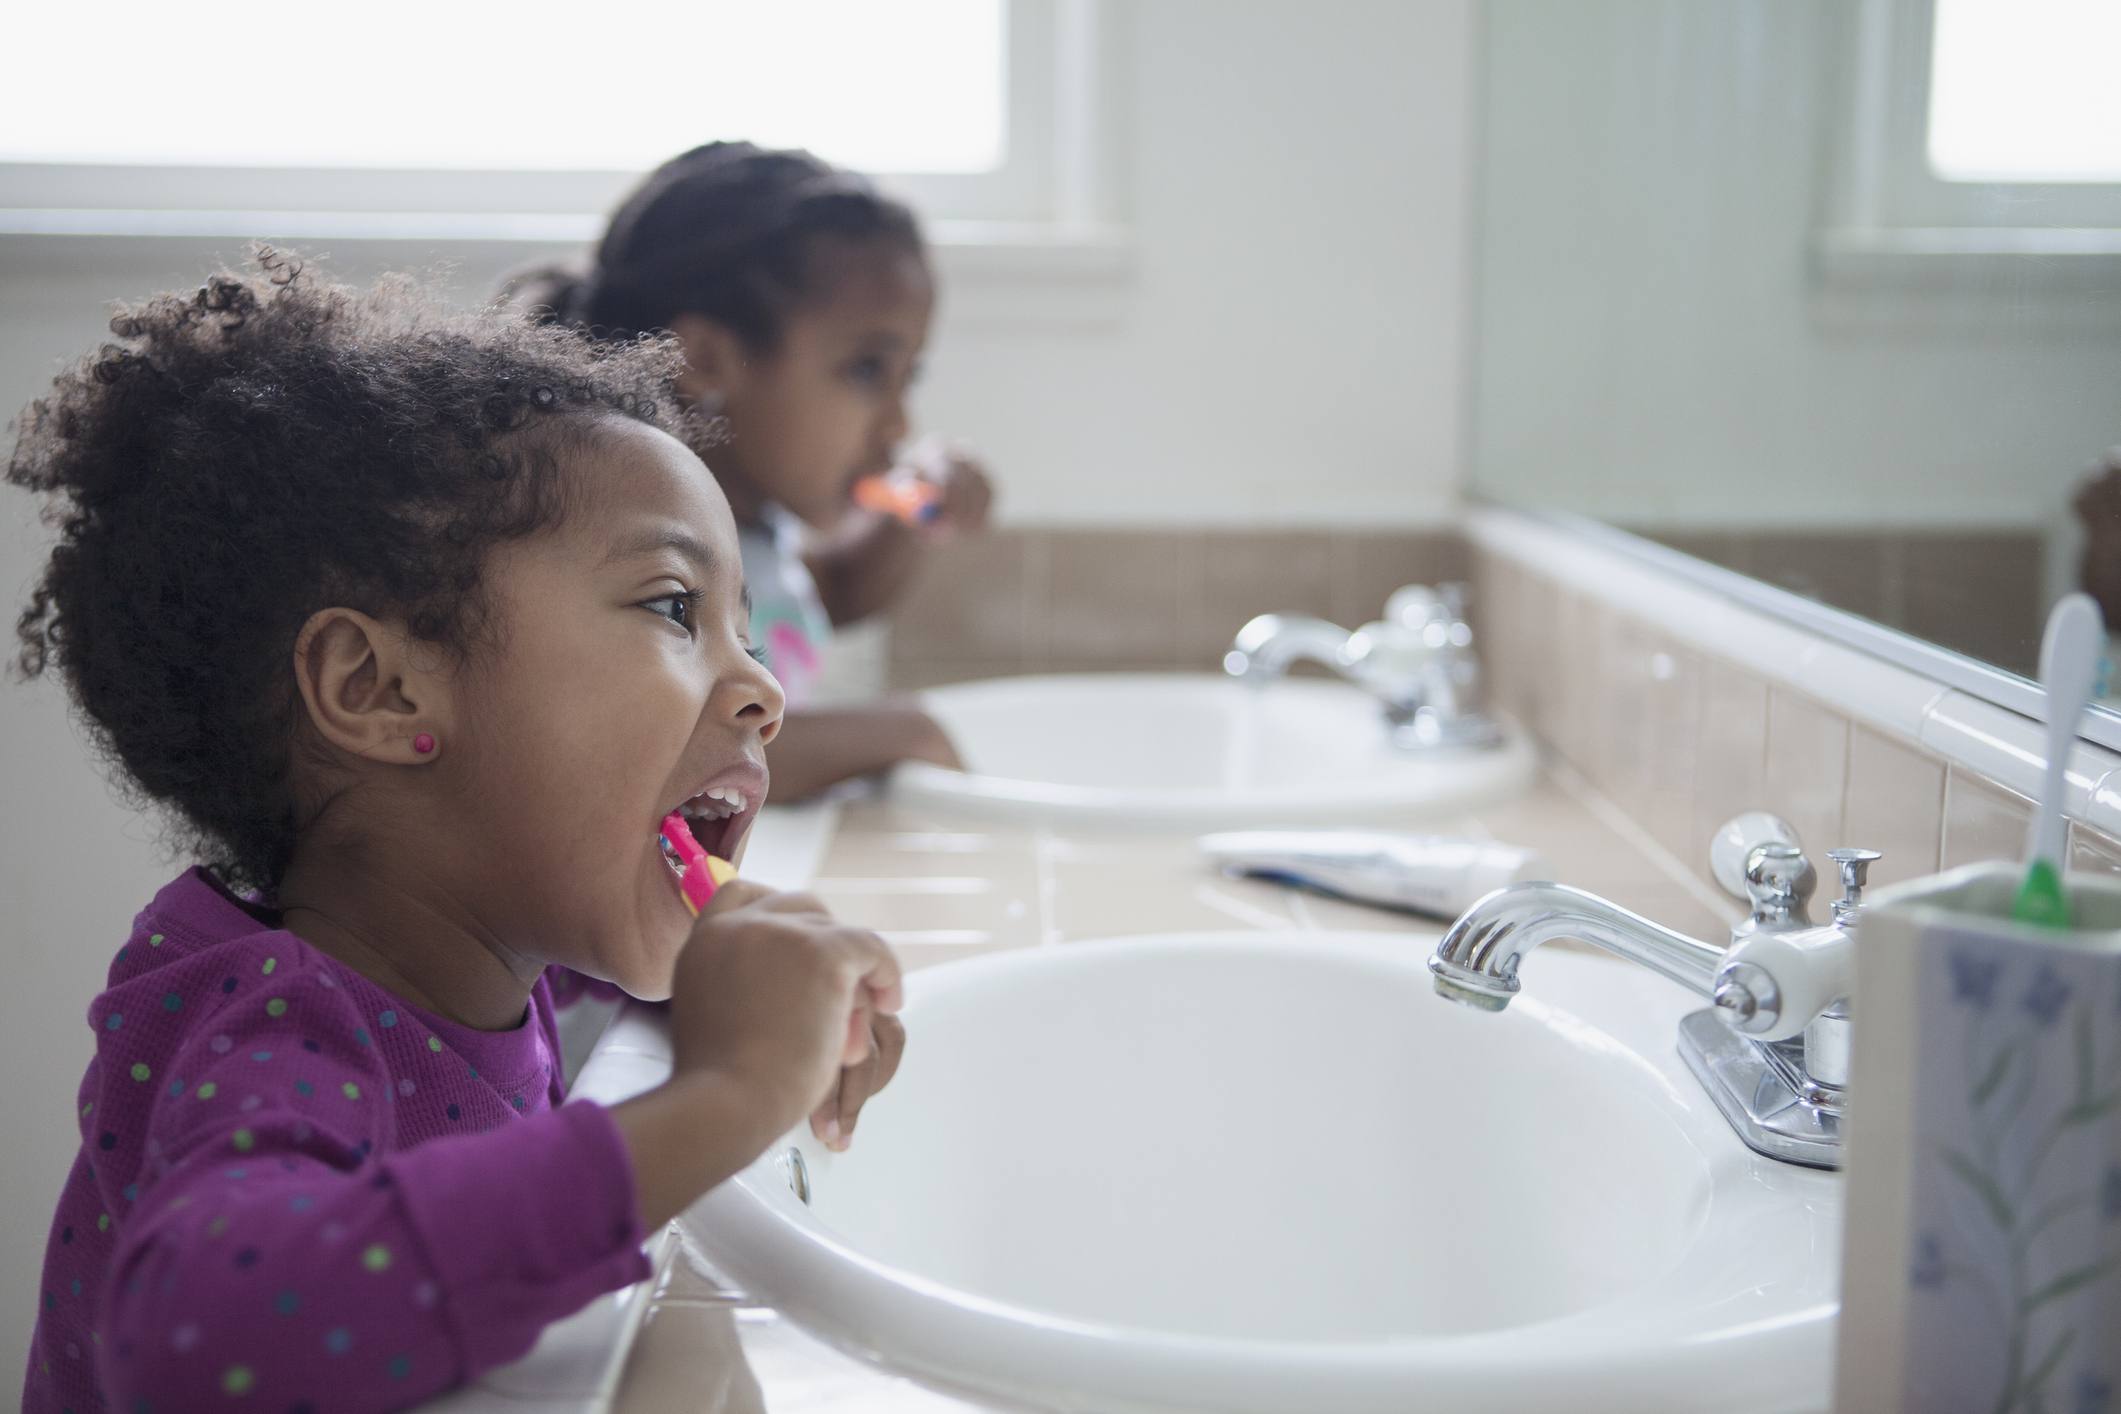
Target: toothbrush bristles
{"type": "Point", "coordinates": [677, 867]}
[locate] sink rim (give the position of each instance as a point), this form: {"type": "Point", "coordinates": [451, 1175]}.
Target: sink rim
{"type": "Point", "coordinates": [757, 1231]}
{"type": "Point", "coordinates": [1429, 785]}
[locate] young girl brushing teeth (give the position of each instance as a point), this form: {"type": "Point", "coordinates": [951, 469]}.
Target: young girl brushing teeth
{"type": "Point", "coordinates": [802, 299]}
{"type": "Point", "coordinates": [420, 627]}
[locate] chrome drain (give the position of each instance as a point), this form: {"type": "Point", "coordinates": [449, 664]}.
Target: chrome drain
{"type": "Point", "coordinates": [797, 1173]}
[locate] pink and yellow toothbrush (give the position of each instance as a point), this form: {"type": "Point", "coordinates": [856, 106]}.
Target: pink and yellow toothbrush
{"type": "Point", "coordinates": [701, 873]}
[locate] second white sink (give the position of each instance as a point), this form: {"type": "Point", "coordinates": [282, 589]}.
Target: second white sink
{"type": "Point", "coordinates": [1194, 752]}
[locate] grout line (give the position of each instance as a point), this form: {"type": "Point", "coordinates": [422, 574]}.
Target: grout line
{"type": "Point", "coordinates": [1042, 847]}
{"type": "Point", "coordinates": [1767, 729]}
{"type": "Point", "coordinates": [1621, 823]}
{"type": "Point", "coordinates": [1944, 815]}
{"type": "Point", "coordinates": [1240, 910]}
{"type": "Point", "coordinates": [1033, 643]}
{"type": "Point", "coordinates": [1848, 761]}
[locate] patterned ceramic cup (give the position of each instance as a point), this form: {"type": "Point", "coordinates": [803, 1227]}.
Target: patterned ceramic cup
{"type": "Point", "coordinates": [1981, 1259]}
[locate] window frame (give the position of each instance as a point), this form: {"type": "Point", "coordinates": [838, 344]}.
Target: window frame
{"type": "Point", "coordinates": [1910, 193]}
{"type": "Point", "coordinates": [1893, 245]}
{"type": "Point", "coordinates": [1051, 132]}
{"type": "Point", "coordinates": [1884, 196]}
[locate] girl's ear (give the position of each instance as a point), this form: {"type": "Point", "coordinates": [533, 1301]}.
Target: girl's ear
{"type": "Point", "coordinates": [369, 688]}
{"type": "Point", "coordinates": [715, 359]}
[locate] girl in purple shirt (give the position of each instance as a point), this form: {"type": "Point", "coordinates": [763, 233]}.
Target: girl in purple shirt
{"type": "Point", "coordinates": [417, 625]}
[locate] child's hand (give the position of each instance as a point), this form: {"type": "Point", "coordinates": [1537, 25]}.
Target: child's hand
{"type": "Point", "coordinates": [929, 742]}
{"type": "Point", "coordinates": [772, 992]}
{"type": "Point", "coordinates": [967, 491]}
{"type": "Point", "coordinates": [833, 1121]}
{"type": "Point", "coordinates": [770, 1001]}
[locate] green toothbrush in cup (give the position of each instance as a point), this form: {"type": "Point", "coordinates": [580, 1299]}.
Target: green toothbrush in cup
{"type": "Point", "coordinates": [2069, 661]}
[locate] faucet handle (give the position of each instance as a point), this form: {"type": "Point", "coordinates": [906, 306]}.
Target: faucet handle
{"type": "Point", "coordinates": [1732, 846]}
{"type": "Point", "coordinates": [1854, 865]}
{"type": "Point", "coordinates": [1779, 880]}
{"type": "Point", "coordinates": [1412, 606]}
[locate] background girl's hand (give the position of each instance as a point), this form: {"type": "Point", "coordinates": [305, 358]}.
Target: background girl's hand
{"type": "Point", "coordinates": [833, 1121]}
{"type": "Point", "coordinates": [967, 491]}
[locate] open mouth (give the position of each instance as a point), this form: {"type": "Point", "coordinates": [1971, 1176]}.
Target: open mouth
{"type": "Point", "coordinates": [719, 819]}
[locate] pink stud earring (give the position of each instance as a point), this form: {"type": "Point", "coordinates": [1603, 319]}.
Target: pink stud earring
{"type": "Point", "coordinates": [424, 743]}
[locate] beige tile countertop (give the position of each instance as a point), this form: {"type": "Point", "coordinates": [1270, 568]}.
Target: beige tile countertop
{"type": "Point", "coordinates": [938, 890]}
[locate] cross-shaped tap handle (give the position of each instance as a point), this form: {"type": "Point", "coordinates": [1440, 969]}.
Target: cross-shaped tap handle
{"type": "Point", "coordinates": [1854, 865]}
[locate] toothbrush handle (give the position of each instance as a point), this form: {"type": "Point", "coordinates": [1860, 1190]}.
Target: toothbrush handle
{"type": "Point", "coordinates": [703, 878]}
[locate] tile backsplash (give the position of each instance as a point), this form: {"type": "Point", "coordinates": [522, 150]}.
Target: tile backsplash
{"type": "Point", "coordinates": [1676, 735]}
{"type": "Point", "coordinates": [1680, 739]}
{"type": "Point", "coordinates": [1068, 599]}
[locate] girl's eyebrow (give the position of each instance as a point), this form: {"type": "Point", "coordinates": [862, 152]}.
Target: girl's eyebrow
{"type": "Point", "coordinates": [654, 538]}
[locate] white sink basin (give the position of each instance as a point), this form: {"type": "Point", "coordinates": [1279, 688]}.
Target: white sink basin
{"type": "Point", "coordinates": [1256, 1172]}
{"type": "Point", "coordinates": [1194, 752]}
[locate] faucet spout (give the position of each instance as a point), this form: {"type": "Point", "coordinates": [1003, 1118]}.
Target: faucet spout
{"type": "Point", "coordinates": [1266, 646]}
{"type": "Point", "coordinates": [1476, 963]}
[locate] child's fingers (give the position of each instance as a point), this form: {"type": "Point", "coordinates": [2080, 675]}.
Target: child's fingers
{"type": "Point", "coordinates": [833, 1121]}
{"type": "Point", "coordinates": [968, 495]}
{"type": "Point", "coordinates": [825, 1119]}
{"type": "Point", "coordinates": [737, 893]}
{"type": "Point", "coordinates": [889, 1034]}
{"type": "Point", "coordinates": [790, 902]}
{"type": "Point", "coordinates": [878, 982]}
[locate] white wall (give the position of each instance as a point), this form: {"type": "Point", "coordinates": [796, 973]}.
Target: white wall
{"type": "Point", "coordinates": [1653, 346]}
{"type": "Point", "coordinates": [1290, 350]}
{"type": "Point", "coordinates": [1285, 349]}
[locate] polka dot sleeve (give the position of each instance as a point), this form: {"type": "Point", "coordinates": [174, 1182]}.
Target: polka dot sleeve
{"type": "Point", "coordinates": [278, 1246]}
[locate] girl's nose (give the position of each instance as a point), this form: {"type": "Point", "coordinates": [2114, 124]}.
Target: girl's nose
{"type": "Point", "coordinates": [896, 424]}
{"type": "Point", "coordinates": [752, 698]}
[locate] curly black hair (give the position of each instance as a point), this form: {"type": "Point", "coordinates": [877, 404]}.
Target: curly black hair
{"type": "Point", "coordinates": [728, 230]}
{"type": "Point", "coordinates": [266, 447]}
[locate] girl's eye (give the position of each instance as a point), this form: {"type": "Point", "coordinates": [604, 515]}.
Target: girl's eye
{"type": "Point", "coordinates": [866, 371]}
{"type": "Point", "coordinates": [758, 655]}
{"type": "Point", "coordinates": [680, 609]}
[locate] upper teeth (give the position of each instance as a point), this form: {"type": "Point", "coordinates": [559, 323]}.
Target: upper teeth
{"type": "Point", "coordinates": [721, 802]}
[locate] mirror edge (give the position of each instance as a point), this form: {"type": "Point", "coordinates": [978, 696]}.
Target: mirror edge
{"type": "Point", "coordinates": [2101, 726]}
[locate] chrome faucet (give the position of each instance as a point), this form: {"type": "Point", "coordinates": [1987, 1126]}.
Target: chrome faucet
{"type": "Point", "coordinates": [1477, 961]}
{"type": "Point", "coordinates": [1772, 1048]}
{"type": "Point", "coordinates": [1417, 661]}
{"type": "Point", "coordinates": [1266, 647]}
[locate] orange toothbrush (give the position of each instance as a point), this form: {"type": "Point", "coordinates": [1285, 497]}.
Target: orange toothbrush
{"type": "Point", "coordinates": [910, 499]}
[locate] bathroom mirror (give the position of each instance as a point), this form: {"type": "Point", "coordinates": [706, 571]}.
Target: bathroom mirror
{"type": "Point", "coordinates": [1826, 293]}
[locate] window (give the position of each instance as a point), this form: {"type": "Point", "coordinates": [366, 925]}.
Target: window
{"type": "Point", "coordinates": [1982, 126]}
{"type": "Point", "coordinates": [2022, 91]}
{"type": "Point", "coordinates": [405, 116]}
{"type": "Point", "coordinates": [914, 86]}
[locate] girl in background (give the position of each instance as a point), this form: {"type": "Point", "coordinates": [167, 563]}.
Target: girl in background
{"type": "Point", "coordinates": [802, 299]}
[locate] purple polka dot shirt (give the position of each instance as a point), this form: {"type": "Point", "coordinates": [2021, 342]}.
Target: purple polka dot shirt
{"type": "Point", "coordinates": [296, 1191]}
